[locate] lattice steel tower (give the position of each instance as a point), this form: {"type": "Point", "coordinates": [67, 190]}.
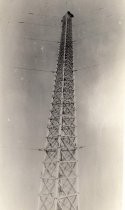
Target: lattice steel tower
{"type": "Point", "coordinates": [59, 185]}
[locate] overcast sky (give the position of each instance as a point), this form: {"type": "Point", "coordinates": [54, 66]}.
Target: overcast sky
{"type": "Point", "coordinates": [25, 96]}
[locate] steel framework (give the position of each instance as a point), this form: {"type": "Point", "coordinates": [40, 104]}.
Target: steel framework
{"type": "Point", "coordinates": [59, 178]}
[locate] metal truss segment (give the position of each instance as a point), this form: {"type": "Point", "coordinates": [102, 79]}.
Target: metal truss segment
{"type": "Point", "coordinates": [59, 178]}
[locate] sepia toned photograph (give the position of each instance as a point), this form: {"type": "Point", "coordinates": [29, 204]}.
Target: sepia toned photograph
{"type": "Point", "coordinates": [62, 105]}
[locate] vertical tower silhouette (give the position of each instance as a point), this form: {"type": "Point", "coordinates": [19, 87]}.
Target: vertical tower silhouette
{"type": "Point", "coordinates": [59, 179]}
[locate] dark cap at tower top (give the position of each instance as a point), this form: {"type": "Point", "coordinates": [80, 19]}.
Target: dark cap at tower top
{"type": "Point", "coordinates": [70, 14]}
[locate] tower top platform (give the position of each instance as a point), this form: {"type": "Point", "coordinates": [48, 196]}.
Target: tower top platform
{"type": "Point", "coordinates": [70, 14]}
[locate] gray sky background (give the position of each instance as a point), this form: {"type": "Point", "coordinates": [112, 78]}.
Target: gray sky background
{"type": "Point", "coordinates": [25, 96]}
